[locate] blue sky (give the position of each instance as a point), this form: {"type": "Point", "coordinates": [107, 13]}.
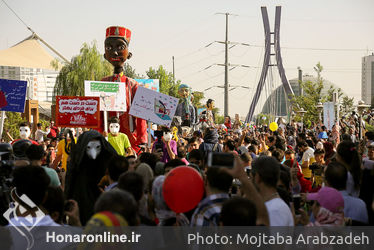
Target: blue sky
{"type": "Point", "coordinates": [162, 29]}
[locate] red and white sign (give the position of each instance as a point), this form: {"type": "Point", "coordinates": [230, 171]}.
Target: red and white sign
{"type": "Point", "coordinates": [77, 111]}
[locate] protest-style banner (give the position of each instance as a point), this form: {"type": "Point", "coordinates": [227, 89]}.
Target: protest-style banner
{"type": "Point", "coordinates": [77, 111]}
{"type": "Point", "coordinates": [112, 94]}
{"type": "Point", "coordinates": [12, 95]}
{"type": "Point", "coordinates": [328, 115]}
{"type": "Point", "coordinates": [153, 84]}
{"type": "Point", "coordinates": [153, 106]}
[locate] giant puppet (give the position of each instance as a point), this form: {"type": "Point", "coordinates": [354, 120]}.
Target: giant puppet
{"type": "Point", "coordinates": [185, 109]}
{"type": "Point", "coordinates": [117, 52]}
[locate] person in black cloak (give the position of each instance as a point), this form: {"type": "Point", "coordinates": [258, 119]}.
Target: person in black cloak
{"type": "Point", "coordinates": [86, 168]}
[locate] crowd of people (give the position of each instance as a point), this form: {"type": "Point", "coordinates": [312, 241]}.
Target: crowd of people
{"type": "Point", "coordinates": [291, 176]}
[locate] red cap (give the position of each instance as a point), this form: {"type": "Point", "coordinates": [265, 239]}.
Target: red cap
{"type": "Point", "coordinates": [329, 198]}
{"type": "Point", "coordinates": [117, 31]}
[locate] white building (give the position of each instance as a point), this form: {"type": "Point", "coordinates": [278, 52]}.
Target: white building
{"type": "Point", "coordinates": [40, 82]}
{"type": "Point", "coordinates": [29, 61]}
{"type": "Point", "coordinates": [367, 81]}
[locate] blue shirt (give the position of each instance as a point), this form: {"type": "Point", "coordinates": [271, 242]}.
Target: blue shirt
{"type": "Point", "coordinates": [354, 208]}
{"type": "Point", "coordinates": [323, 135]}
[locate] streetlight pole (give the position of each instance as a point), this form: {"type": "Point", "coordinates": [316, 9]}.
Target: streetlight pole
{"type": "Point", "coordinates": [302, 113]}
{"type": "Point", "coordinates": [360, 108]}
{"type": "Point", "coordinates": [319, 110]}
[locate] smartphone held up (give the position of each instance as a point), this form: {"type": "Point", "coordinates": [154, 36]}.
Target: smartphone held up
{"type": "Point", "coordinates": [219, 159]}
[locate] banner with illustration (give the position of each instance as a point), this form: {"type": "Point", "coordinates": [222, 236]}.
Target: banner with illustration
{"type": "Point", "coordinates": [77, 111]}
{"type": "Point", "coordinates": [153, 106]}
{"type": "Point", "coordinates": [111, 94]}
{"type": "Point", "coordinates": [12, 95]}
{"type": "Point", "coordinates": [328, 115]}
{"type": "Point", "coordinates": [153, 84]}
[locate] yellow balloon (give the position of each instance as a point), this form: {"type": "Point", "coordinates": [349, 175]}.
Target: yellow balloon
{"type": "Point", "coordinates": [273, 126]}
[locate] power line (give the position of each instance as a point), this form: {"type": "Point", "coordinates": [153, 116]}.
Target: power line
{"type": "Point", "coordinates": [34, 35]}
{"type": "Point", "coordinates": [193, 63]}
{"type": "Point", "coordinates": [195, 51]}
{"type": "Point", "coordinates": [233, 87]}
{"type": "Point", "coordinates": [200, 23]}
{"type": "Point", "coordinates": [19, 18]}
{"type": "Point", "coordinates": [208, 57]}
{"type": "Point", "coordinates": [322, 49]}
{"type": "Point", "coordinates": [314, 20]}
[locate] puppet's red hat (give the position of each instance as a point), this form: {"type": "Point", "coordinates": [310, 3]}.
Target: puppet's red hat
{"type": "Point", "coordinates": [118, 31]}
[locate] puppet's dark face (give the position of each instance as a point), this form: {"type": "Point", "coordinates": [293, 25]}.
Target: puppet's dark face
{"type": "Point", "coordinates": [93, 149]}
{"type": "Point", "coordinates": [116, 51]}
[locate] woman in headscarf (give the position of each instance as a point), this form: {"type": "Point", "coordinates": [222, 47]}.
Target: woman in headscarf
{"type": "Point", "coordinates": [147, 174]}
{"type": "Point", "coordinates": [163, 213]}
{"type": "Point", "coordinates": [348, 155]}
{"type": "Point", "coordinates": [327, 209]}
{"type": "Point", "coordinates": [210, 143]}
{"type": "Point", "coordinates": [227, 122]}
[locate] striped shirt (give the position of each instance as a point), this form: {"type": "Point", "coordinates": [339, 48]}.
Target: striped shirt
{"type": "Point", "coordinates": [208, 211]}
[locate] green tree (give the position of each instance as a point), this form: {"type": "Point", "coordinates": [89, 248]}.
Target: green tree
{"type": "Point", "coordinates": [264, 119]}
{"type": "Point", "coordinates": [346, 102]}
{"type": "Point", "coordinates": [198, 97]}
{"type": "Point", "coordinates": [167, 85]}
{"type": "Point", "coordinates": [330, 93]}
{"type": "Point", "coordinates": [11, 125]}
{"type": "Point", "coordinates": [88, 65]}
{"type": "Point", "coordinates": [219, 119]}
{"type": "Point", "coordinates": [130, 72]}
{"type": "Point", "coordinates": [346, 105]}
{"type": "Point", "coordinates": [313, 94]}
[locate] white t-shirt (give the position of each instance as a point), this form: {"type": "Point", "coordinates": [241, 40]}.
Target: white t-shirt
{"type": "Point", "coordinates": [39, 135]}
{"type": "Point", "coordinates": [279, 213]}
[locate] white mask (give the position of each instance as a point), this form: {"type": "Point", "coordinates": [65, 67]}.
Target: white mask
{"type": "Point", "coordinates": [68, 135]}
{"type": "Point", "coordinates": [93, 149]}
{"type": "Point", "coordinates": [319, 145]}
{"type": "Point", "coordinates": [154, 127]}
{"type": "Point", "coordinates": [24, 132]}
{"type": "Point", "coordinates": [168, 136]}
{"type": "Point", "coordinates": [114, 128]}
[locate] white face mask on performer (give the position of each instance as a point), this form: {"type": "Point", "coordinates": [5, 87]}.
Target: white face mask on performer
{"type": "Point", "coordinates": [114, 128]}
{"type": "Point", "coordinates": [168, 136]}
{"type": "Point", "coordinates": [93, 149]}
{"type": "Point", "coordinates": [24, 132]}
{"type": "Point", "coordinates": [68, 134]}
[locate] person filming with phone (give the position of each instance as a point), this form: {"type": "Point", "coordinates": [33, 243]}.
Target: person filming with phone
{"type": "Point", "coordinates": [164, 145]}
